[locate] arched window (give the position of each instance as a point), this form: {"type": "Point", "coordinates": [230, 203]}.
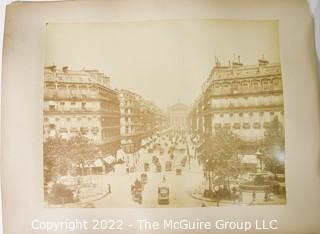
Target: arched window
{"type": "Point", "coordinates": [51, 91]}
{"type": "Point", "coordinates": [245, 85]}
{"type": "Point", "coordinates": [265, 84]}
{"type": "Point", "coordinates": [255, 85]}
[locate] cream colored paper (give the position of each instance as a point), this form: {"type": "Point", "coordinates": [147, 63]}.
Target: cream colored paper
{"type": "Point", "coordinates": [23, 64]}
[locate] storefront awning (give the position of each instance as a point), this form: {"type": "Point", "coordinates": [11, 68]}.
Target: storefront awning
{"type": "Point", "coordinates": [109, 159]}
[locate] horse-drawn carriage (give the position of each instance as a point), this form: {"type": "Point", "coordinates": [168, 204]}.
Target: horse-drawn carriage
{"type": "Point", "coordinates": [144, 178]}
{"type": "Point", "coordinates": [163, 194]}
{"type": "Point", "coordinates": [178, 171]}
{"type": "Point", "coordinates": [155, 159]}
{"type": "Point", "coordinates": [158, 167]}
{"type": "Point", "coordinates": [146, 167]}
{"type": "Point", "coordinates": [168, 165]}
{"type": "Point", "coordinates": [136, 191]}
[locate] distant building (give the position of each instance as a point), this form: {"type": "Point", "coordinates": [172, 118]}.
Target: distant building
{"type": "Point", "coordinates": [178, 114]}
{"type": "Point", "coordinates": [81, 102]}
{"type": "Point", "coordinates": [243, 98]}
{"type": "Point", "coordinates": [140, 119]}
{"type": "Point", "coordinates": [131, 123]}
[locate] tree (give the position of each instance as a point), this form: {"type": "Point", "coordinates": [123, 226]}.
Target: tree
{"type": "Point", "coordinates": [61, 154]}
{"type": "Point", "coordinates": [273, 146]}
{"type": "Point", "coordinates": [82, 150]}
{"type": "Point", "coordinates": [220, 157]}
{"type": "Point", "coordinates": [54, 158]}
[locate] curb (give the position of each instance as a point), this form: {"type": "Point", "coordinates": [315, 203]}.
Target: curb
{"type": "Point", "coordinates": [77, 204]}
{"type": "Point", "coordinates": [199, 197]}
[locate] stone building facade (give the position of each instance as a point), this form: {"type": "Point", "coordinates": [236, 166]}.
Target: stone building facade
{"type": "Point", "coordinates": [244, 98]}
{"type": "Point", "coordinates": [140, 120]}
{"type": "Point", "coordinates": [131, 125]}
{"type": "Point", "coordinates": [81, 102]}
{"type": "Point", "coordinates": [178, 116]}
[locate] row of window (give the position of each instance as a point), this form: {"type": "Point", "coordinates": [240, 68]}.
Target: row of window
{"type": "Point", "coordinates": [78, 92]}
{"type": "Point", "coordinates": [72, 107]}
{"type": "Point", "coordinates": [247, 101]}
{"type": "Point", "coordinates": [129, 103]}
{"type": "Point", "coordinates": [113, 106]}
{"type": "Point", "coordinates": [108, 121]}
{"type": "Point", "coordinates": [85, 131]}
{"type": "Point", "coordinates": [83, 106]}
{"type": "Point", "coordinates": [109, 133]}
{"type": "Point", "coordinates": [241, 114]}
{"type": "Point", "coordinates": [264, 83]}
{"type": "Point", "coordinates": [246, 85]}
{"type": "Point", "coordinates": [129, 130]}
{"type": "Point", "coordinates": [245, 125]}
{"type": "Point", "coordinates": [67, 77]}
{"type": "Point", "coordinates": [75, 130]}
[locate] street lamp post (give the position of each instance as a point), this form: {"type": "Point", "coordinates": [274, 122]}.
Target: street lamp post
{"type": "Point", "coordinates": [188, 152]}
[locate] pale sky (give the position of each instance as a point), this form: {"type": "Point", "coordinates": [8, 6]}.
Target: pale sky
{"type": "Point", "coordinates": [163, 60]}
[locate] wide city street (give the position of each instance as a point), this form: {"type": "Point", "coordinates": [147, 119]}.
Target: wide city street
{"type": "Point", "coordinates": [180, 186]}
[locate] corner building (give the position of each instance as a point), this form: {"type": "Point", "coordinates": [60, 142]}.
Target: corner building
{"type": "Point", "coordinates": [81, 102]}
{"type": "Point", "coordinates": [242, 98]}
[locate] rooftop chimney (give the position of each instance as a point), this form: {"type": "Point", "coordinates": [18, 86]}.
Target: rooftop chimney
{"type": "Point", "coordinates": [235, 63]}
{"type": "Point", "coordinates": [263, 61]}
{"type": "Point", "coordinates": [107, 81]}
{"type": "Point", "coordinates": [53, 68]}
{"type": "Point", "coordinates": [218, 64]}
{"type": "Point", "coordinates": [65, 69]}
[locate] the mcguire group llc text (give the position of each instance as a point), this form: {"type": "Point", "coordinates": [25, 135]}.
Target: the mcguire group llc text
{"type": "Point", "coordinates": [149, 225]}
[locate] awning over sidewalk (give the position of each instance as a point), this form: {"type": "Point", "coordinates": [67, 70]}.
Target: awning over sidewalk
{"type": "Point", "coordinates": [91, 164]}
{"type": "Point", "coordinates": [109, 159]}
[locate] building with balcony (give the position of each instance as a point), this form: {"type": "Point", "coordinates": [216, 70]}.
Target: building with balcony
{"type": "Point", "coordinates": [81, 102]}
{"type": "Point", "coordinates": [140, 119]}
{"type": "Point", "coordinates": [244, 98]}
{"type": "Point", "coordinates": [131, 124]}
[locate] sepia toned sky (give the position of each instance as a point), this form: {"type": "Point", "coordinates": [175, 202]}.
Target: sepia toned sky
{"type": "Point", "coordinates": [164, 61]}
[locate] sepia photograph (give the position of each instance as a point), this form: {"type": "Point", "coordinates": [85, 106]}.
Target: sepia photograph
{"type": "Point", "coordinates": [163, 113]}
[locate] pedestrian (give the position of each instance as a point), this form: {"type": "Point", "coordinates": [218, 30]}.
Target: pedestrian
{"type": "Point", "coordinates": [266, 196]}
{"type": "Point", "coordinates": [234, 190]}
{"type": "Point", "coordinates": [253, 197]}
{"type": "Point", "coordinates": [218, 197]}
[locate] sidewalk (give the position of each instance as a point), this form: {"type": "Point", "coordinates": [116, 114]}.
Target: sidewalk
{"type": "Point", "coordinates": [247, 200]}
{"type": "Point", "coordinates": [78, 204]}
